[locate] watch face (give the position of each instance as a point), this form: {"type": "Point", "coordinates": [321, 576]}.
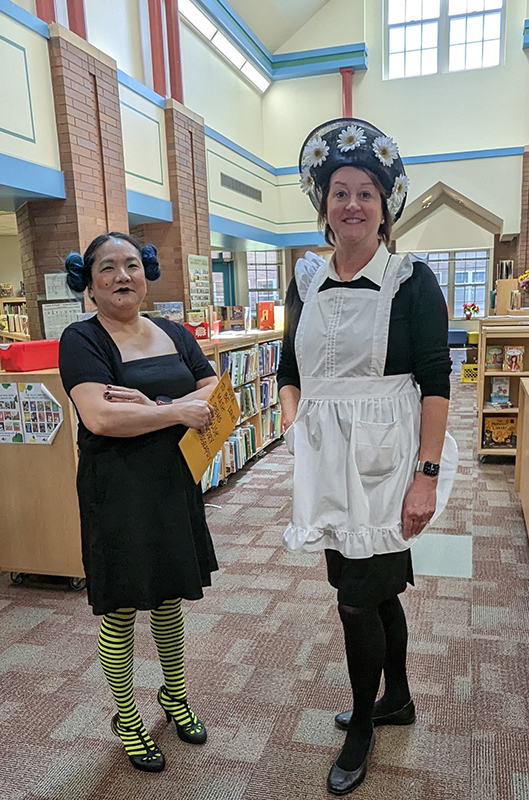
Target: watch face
{"type": "Point", "coordinates": [163, 400]}
{"type": "Point", "coordinates": [431, 469]}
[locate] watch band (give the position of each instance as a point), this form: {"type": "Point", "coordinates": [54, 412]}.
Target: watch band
{"type": "Point", "coordinates": [428, 468]}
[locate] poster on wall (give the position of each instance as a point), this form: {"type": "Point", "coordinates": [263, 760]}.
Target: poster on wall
{"type": "Point", "coordinates": [10, 418]}
{"type": "Point", "coordinates": [57, 317]}
{"type": "Point", "coordinates": [199, 285]}
{"type": "Point", "coordinates": [57, 288]}
{"type": "Point", "coordinates": [41, 412]}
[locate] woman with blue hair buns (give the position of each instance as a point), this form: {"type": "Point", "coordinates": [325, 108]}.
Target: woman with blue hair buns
{"type": "Point", "coordinates": [364, 388]}
{"type": "Point", "coordinates": [137, 385]}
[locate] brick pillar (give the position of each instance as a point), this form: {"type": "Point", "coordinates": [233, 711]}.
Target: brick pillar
{"type": "Point", "coordinates": [85, 90]}
{"type": "Point", "coordinates": [522, 260]}
{"type": "Point", "coordinates": [188, 234]}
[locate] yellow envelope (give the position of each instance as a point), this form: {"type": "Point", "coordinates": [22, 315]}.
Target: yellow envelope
{"type": "Point", "coordinates": [199, 449]}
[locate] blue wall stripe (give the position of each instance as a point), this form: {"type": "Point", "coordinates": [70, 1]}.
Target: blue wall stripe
{"type": "Point", "coordinates": [26, 176]}
{"type": "Point", "coordinates": [467, 155]}
{"type": "Point", "coordinates": [218, 137]}
{"type": "Point", "coordinates": [342, 49]}
{"type": "Point", "coordinates": [25, 18]}
{"type": "Point", "coordinates": [140, 89]}
{"type": "Point", "coordinates": [240, 230]}
{"type": "Point", "coordinates": [320, 68]}
{"type": "Point", "coordinates": [148, 208]}
{"type": "Point", "coordinates": [498, 152]}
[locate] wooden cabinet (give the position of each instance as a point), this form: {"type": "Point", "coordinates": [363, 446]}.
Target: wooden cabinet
{"type": "Point", "coordinates": [521, 475]}
{"type": "Point", "coordinates": [39, 514]}
{"type": "Point", "coordinates": [500, 332]}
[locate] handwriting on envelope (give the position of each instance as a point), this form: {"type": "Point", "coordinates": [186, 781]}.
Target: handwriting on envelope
{"type": "Point", "coordinates": [199, 449]}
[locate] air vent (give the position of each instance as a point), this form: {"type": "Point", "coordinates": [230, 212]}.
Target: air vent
{"type": "Point", "coordinates": [241, 188]}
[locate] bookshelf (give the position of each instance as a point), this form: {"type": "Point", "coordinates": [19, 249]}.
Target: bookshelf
{"type": "Point", "coordinates": [252, 360]}
{"type": "Point", "coordinates": [500, 332]}
{"type": "Point", "coordinates": [13, 319]}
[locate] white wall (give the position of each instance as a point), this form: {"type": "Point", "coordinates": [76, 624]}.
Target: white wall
{"type": "Point", "coordinates": [444, 229]}
{"type": "Point", "coordinates": [114, 27]}
{"type": "Point", "coordinates": [28, 5]}
{"type": "Point", "coordinates": [220, 94]}
{"type": "Point", "coordinates": [10, 264]}
{"type": "Point", "coordinates": [339, 22]}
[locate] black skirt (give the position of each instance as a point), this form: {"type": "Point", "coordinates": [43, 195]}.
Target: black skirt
{"type": "Point", "coordinates": [364, 582]}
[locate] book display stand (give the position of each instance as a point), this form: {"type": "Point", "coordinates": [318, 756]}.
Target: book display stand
{"type": "Point", "coordinates": [498, 384]}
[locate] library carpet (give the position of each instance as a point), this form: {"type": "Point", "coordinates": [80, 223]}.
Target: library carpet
{"type": "Point", "coordinates": [265, 663]}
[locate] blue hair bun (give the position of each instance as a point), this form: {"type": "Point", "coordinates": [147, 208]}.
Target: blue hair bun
{"type": "Point", "coordinates": [76, 272]}
{"type": "Point", "coordinates": [151, 265]}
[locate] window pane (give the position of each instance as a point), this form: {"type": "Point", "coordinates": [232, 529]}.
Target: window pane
{"type": "Point", "coordinates": [429, 35]}
{"type": "Point", "coordinates": [457, 57]}
{"type": "Point", "coordinates": [459, 299]}
{"type": "Point", "coordinates": [396, 65]}
{"type": "Point", "coordinates": [413, 10]}
{"type": "Point", "coordinates": [413, 63]}
{"type": "Point", "coordinates": [458, 31]}
{"type": "Point", "coordinates": [413, 37]}
{"type": "Point", "coordinates": [475, 28]}
{"type": "Point", "coordinates": [490, 4]}
{"type": "Point", "coordinates": [396, 11]}
{"type": "Point", "coordinates": [457, 7]}
{"type": "Point", "coordinates": [474, 55]}
{"type": "Point", "coordinates": [396, 40]}
{"type": "Point", "coordinates": [430, 9]}
{"type": "Point", "coordinates": [492, 27]}
{"type": "Point", "coordinates": [445, 293]}
{"type": "Point", "coordinates": [491, 53]}
{"type": "Point", "coordinates": [474, 5]}
{"type": "Point", "coordinates": [429, 62]}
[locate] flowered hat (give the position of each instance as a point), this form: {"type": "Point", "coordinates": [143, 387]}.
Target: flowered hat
{"type": "Point", "coordinates": [350, 142]}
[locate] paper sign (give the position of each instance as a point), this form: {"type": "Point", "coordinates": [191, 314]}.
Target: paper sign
{"type": "Point", "coordinates": [57, 317]}
{"type": "Point", "coordinates": [10, 418]}
{"type": "Point", "coordinates": [41, 412]}
{"type": "Point", "coordinates": [199, 285]}
{"type": "Point", "coordinates": [199, 449]}
{"type": "Point", "coordinates": [57, 288]}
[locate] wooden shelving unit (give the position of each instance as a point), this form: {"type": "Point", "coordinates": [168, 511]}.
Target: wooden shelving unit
{"type": "Point", "coordinates": [500, 331]}
{"type": "Point", "coordinates": [244, 341]}
{"type": "Point", "coordinates": [12, 336]}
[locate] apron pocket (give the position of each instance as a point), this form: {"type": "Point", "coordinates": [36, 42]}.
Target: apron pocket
{"type": "Point", "coordinates": [377, 448]}
{"type": "Point", "coordinates": [288, 436]}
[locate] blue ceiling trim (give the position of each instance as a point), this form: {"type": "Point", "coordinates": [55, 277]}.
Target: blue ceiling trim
{"type": "Point", "coordinates": [144, 208]}
{"type": "Point", "coordinates": [240, 230]}
{"type": "Point", "coordinates": [22, 180]}
{"type": "Point", "coordinates": [319, 68]}
{"type": "Point", "coordinates": [218, 137]}
{"type": "Point", "coordinates": [467, 155]}
{"type": "Point", "coordinates": [25, 18]}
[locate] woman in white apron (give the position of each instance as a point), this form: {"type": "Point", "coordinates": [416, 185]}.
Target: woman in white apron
{"type": "Point", "coordinates": [364, 387]}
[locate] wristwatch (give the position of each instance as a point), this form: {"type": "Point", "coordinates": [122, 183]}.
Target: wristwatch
{"type": "Point", "coordinates": [163, 400]}
{"type": "Point", "coordinates": [428, 467]}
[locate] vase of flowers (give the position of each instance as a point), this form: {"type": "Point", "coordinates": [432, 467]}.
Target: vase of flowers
{"type": "Point", "coordinates": [523, 286]}
{"type": "Point", "coordinates": [471, 309]}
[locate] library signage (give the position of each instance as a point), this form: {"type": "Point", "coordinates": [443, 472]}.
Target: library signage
{"type": "Point", "coordinates": [199, 285]}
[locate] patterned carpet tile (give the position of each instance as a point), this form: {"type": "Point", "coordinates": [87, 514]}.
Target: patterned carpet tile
{"type": "Point", "coordinates": [266, 666]}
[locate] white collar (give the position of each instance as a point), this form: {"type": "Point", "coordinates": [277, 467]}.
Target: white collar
{"type": "Point", "coordinates": [374, 270]}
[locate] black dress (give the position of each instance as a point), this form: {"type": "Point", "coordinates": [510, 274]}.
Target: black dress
{"type": "Point", "coordinates": [144, 533]}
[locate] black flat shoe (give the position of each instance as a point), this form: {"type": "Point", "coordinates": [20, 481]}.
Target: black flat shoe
{"type": "Point", "coordinates": [152, 761]}
{"type": "Point", "coordinates": [405, 716]}
{"type": "Point", "coordinates": [192, 733]}
{"type": "Point", "coordinates": [341, 781]}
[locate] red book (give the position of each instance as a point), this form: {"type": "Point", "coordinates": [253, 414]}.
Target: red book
{"type": "Point", "coordinates": [200, 330]}
{"type": "Point", "coordinates": [265, 315]}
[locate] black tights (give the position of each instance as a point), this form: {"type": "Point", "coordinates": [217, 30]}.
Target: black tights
{"type": "Point", "coordinates": [375, 641]}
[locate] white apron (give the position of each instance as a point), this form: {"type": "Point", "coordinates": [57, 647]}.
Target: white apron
{"type": "Point", "coordinates": [355, 438]}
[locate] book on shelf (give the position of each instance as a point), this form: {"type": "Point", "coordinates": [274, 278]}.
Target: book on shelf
{"type": "Point", "coordinates": [493, 357]}
{"type": "Point", "coordinates": [265, 315]}
{"type": "Point", "coordinates": [239, 447]}
{"type": "Point", "coordinates": [247, 399]}
{"type": "Point", "coordinates": [241, 365]}
{"type": "Point", "coordinates": [513, 358]}
{"type": "Point", "coordinates": [3, 322]}
{"type": "Point", "coordinates": [271, 424]}
{"type": "Point", "coordinates": [269, 392]}
{"type": "Point", "coordinates": [269, 357]}
{"type": "Point", "coordinates": [211, 477]}
{"type": "Point", "coordinates": [499, 389]}
{"type": "Point", "coordinates": [500, 431]}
